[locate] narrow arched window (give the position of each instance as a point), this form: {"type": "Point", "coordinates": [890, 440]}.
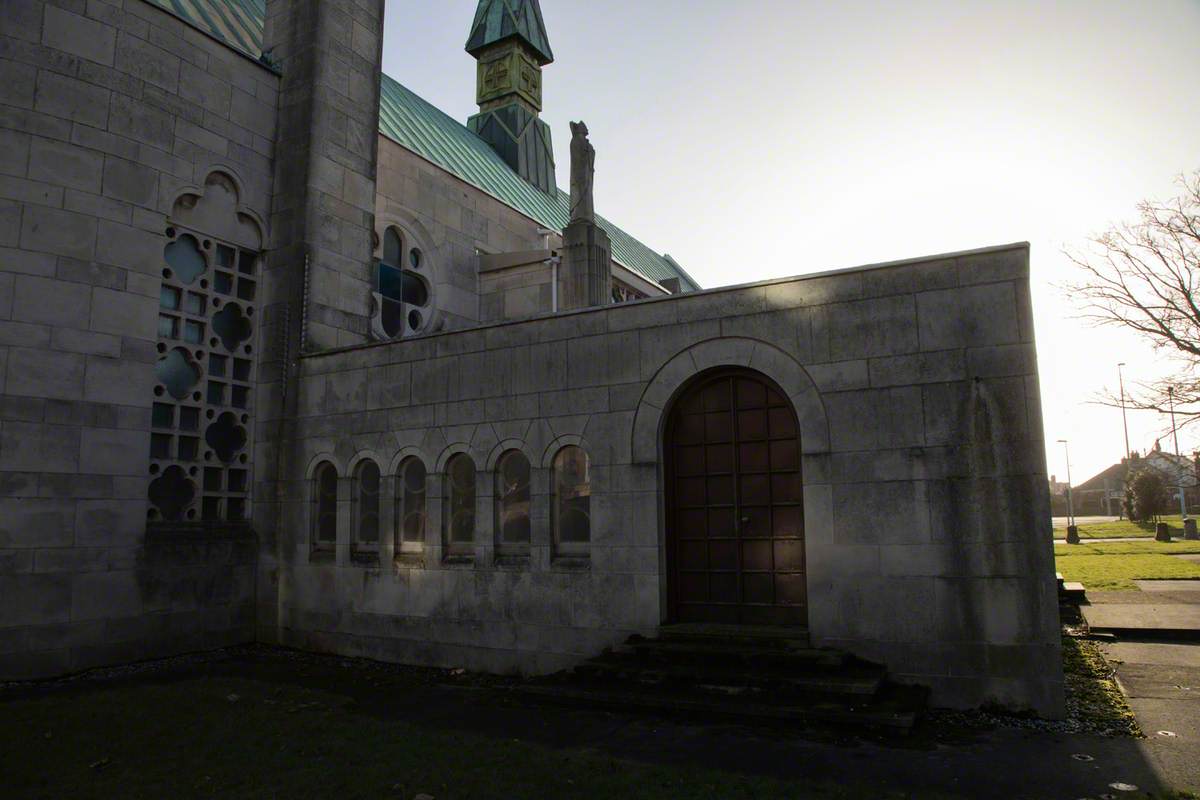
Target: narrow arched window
{"type": "Point", "coordinates": [410, 506]}
{"type": "Point", "coordinates": [458, 515]}
{"type": "Point", "coordinates": [572, 507]}
{"type": "Point", "coordinates": [324, 506]}
{"type": "Point", "coordinates": [366, 508]}
{"type": "Point", "coordinates": [512, 504]}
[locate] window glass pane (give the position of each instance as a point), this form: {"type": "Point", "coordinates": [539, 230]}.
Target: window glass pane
{"type": "Point", "coordinates": [193, 332]}
{"type": "Point", "coordinates": [460, 519]}
{"type": "Point", "coordinates": [392, 246]}
{"type": "Point", "coordinates": [391, 280]}
{"type": "Point", "coordinates": [410, 502]}
{"type": "Point", "coordinates": [216, 366]}
{"type": "Point", "coordinates": [368, 503]}
{"type": "Point", "coordinates": [512, 498]}
{"type": "Point", "coordinates": [177, 373]}
{"type": "Point", "coordinates": [189, 419]}
{"type": "Point", "coordinates": [193, 303]}
{"type": "Point", "coordinates": [224, 256]}
{"type": "Point", "coordinates": [393, 318]}
{"type": "Point", "coordinates": [185, 259]}
{"type": "Point", "coordinates": [212, 479]}
{"type": "Point", "coordinates": [246, 263]}
{"type": "Point", "coordinates": [572, 497]}
{"type": "Point", "coordinates": [414, 258]}
{"type": "Point", "coordinates": [163, 416]}
{"type": "Point", "coordinates": [326, 503]}
{"type": "Point", "coordinates": [168, 327]}
{"type": "Point", "coordinates": [415, 291]}
{"type": "Point", "coordinates": [168, 298]}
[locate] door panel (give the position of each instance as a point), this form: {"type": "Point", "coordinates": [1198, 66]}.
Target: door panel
{"type": "Point", "coordinates": [735, 538]}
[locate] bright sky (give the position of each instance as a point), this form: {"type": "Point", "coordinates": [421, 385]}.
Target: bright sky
{"type": "Point", "coordinates": [765, 138]}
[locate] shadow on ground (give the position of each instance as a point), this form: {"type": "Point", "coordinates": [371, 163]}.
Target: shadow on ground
{"type": "Point", "coordinates": [259, 722]}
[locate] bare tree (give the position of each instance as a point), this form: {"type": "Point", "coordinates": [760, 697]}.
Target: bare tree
{"type": "Point", "coordinates": [1144, 276]}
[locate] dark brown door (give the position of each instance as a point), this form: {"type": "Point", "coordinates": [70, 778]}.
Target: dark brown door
{"type": "Point", "coordinates": [735, 514]}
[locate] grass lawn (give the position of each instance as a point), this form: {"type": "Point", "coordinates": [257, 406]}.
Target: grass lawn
{"type": "Point", "coordinates": [235, 737]}
{"type": "Point", "coordinates": [1114, 566]}
{"type": "Point", "coordinates": [1122, 529]}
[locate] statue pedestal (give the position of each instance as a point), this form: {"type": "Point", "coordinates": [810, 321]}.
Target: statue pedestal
{"type": "Point", "coordinates": [585, 275]}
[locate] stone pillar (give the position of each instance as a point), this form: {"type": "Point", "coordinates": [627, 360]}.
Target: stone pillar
{"type": "Point", "coordinates": [1162, 533]}
{"type": "Point", "coordinates": [1072, 534]}
{"type": "Point", "coordinates": [585, 275]}
{"type": "Point", "coordinates": [329, 53]}
{"type": "Point", "coordinates": [1189, 530]}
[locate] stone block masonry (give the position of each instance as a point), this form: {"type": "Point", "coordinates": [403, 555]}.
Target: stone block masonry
{"type": "Point", "coordinates": [923, 469]}
{"type": "Point", "coordinates": [109, 112]}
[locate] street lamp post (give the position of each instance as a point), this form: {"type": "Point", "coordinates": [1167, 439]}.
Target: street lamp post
{"type": "Point", "coordinates": [1178, 467]}
{"type": "Point", "coordinates": [1124, 418]}
{"type": "Point", "coordinates": [1072, 528]}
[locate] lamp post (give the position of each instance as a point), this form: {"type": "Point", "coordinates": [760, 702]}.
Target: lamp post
{"type": "Point", "coordinates": [1178, 468]}
{"type": "Point", "coordinates": [1124, 418]}
{"type": "Point", "coordinates": [1072, 528]}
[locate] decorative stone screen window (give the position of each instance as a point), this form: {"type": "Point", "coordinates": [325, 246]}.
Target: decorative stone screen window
{"type": "Point", "coordinates": [203, 399]}
{"type": "Point", "coordinates": [324, 507]}
{"type": "Point", "coordinates": [512, 498]}
{"type": "Point", "coordinates": [366, 511]}
{"type": "Point", "coordinates": [571, 510]}
{"type": "Point", "coordinates": [458, 510]}
{"type": "Point", "coordinates": [402, 293]}
{"type": "Point", "coordinates": [410, 515]}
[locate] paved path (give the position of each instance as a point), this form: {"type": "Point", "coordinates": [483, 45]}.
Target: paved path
{"type": "Point", "coordinates": [1086, 540]}
{"type": "Point", "coordinates": [1162, 682]}
{"type": "Point", "coordinates": [1061, 522]}
{"type": "Point", "coordinates": [1161, 608]}
{"type": "Point", "coordinates": [1161, 679]}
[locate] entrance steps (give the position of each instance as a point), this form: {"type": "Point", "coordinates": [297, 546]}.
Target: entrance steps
{"type": "Point", "coordinates": [736, 673]}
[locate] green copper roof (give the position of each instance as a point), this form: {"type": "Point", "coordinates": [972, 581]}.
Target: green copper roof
{"type": "Point", "coordinates": [435, 136]}
{"type": "Point", "coordinates": [498, 20]}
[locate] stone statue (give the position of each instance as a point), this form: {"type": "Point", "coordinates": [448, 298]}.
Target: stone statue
{"type": "Point", "coordinates": [583, 171]}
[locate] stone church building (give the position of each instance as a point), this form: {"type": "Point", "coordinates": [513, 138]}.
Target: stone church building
{"type": "Point", "coordinates": [289, 355]}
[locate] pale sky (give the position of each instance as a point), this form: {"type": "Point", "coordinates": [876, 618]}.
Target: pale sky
{"type": "Point", "coordinates": [765, 138]}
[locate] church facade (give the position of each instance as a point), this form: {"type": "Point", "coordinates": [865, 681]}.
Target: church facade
{"type": "Point", "coordinates": [289, 355]}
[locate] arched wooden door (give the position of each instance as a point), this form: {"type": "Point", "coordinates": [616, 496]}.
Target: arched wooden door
{"type": "Point", "coordinates": [734, 501]}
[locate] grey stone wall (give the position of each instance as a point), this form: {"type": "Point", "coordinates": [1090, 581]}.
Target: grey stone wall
{"type": "Point", "coordinates": [108, 112]}
{"type": "Point", "coordinates": [925, 489]}
{"type": "Point", "coordinates": [330, 54]}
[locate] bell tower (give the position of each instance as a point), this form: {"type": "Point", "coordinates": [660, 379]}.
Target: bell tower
{"type": "Point", "coordinates": [508, 39]}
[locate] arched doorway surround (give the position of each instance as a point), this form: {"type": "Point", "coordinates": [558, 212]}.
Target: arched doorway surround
{"type": "Point", "coordinates": [673, 379]}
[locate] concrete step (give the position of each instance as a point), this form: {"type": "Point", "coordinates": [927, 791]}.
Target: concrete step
{"type": "Point", "coordinates": [856, 681]}
{"type": "Point", "coordinates": [749, 635]}
{"type": "Point", "coordinates": [732, 653]}
{"type": "Point", "coordinates": [1072, 592]}
{"type": "Point", "coordinates": [895, 718]}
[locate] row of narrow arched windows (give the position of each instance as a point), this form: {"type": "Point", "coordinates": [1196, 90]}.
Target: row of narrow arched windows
{"type": "Point", "coordinates": [570, 508]}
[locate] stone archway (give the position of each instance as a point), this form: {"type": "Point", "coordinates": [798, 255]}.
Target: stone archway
{"type": "Point", "coordinates": [790, 377]}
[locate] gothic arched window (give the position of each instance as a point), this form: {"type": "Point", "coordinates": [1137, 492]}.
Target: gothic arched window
{"type": "Point", "coordinates": [512, 504]}
{"type": "Point", "coordinates": [366, 508]}
{"type": "Point", "coordinates": [324, 506]}
{"type": "Point", "coordinates": [410, 506]}
{"type": "Point", "coordinates": [458, 511]}
{"type": "Point", "coordinates": [572, 507]}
